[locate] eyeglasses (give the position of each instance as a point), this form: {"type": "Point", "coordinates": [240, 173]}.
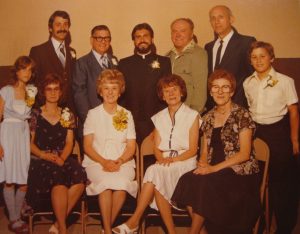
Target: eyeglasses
{"type": "Point", "coordinates": [224, 88]}
{"type": "Point", "coordinates": [100, 39]}
{"type": "Point", "coordinates": [48, 89]}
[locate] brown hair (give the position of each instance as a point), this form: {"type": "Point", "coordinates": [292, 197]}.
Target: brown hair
{"type": "Point", "coordinates": [50, 78]}
{"type": "Point", "coordinates": [222, 74]}
{"type": "Point", "coordinates": [261, 44]}
{"type": "Point", "coordinates": [169, 81]}
{"type": "Point", "coordinates": [62, 14]}
{"type": "Point", "coordinates": [22, 62]}
{"type": "Point", "coordinates": [111, 76]}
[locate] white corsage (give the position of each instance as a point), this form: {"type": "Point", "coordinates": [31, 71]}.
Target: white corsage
{"type": "Point", "coordinates": [114, 62]}
{"type": "Point", "coordinates": [155, 64]}
{"type": "Point", "coordinates": [30, 93]}
{"type": "Point", "coordinates": [65, 118]}
{"type": "Point", "coordinates": [73, 53]}
{"type": "Point", "coordinates": [271, 82]}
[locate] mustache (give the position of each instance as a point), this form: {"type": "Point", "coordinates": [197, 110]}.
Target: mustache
{"type": "Point", "coordinates": [62, 31]}
{"type": "Point", "coordinates": [145, 43]}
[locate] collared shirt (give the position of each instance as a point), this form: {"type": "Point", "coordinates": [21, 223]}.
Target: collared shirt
{"type": "Point", "coordinates": [98, 56]}
{"type": "Point", "coordinates": [269, 98]}
{"type": "Point", "coordinates": [191, 44]}
{"type": "Point", "coordinates": [56, 44]}
{"type": "Point", "coordinates": [225, 40]}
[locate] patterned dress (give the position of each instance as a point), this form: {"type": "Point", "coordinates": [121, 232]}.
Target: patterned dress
{"type": "Point", "coordinates": [43, 175]}
{"type": "Point", "coordinates": [229, 198]}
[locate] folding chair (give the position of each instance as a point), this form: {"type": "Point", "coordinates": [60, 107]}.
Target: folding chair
{"type": "Point", "coordinates": [45, 207]}
{"type": "Point", "coordinates": [263, 155]}
{"type": "Point", "coordinates": [147, 158]}
{"type": "Point", "coordinates": [92, 210]}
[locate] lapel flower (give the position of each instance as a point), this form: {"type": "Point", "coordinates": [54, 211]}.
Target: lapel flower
{"type": "Point", "coordinates": [65, 118]}
{"type": "Point", "coordinates": [114, 61]}
{"type": "Point", "coordinates": [30, 93]}
{"type": "Point", "coordinates": [73, 53]}
{"type": "Point", "coordinates": [155, 64]}
{"type": "Point", "coordinates": [271, 82]}
{"type": "Point", "coordinates": [120, 120]}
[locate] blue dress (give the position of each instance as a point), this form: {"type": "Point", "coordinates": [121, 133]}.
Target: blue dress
{"type": "Point", "coordinates": [14, 138]}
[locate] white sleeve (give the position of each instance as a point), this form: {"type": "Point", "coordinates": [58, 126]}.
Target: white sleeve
{"type": "Point", "coordinates": [89, 124]}
{"type": "Point", "coordinates": [131, 129]}
{"type": "Point", "coordinates": [291, 93]}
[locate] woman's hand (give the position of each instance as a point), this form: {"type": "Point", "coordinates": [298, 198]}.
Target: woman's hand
{"type": "Point", "coordinates": [204, 169]}
{"type": "Point", "coordinates": [110, 165]}
{"type": "Point", "coordinates": [295, 147]}
{"type": "Point", "coordinates": [48, 156]}
{"type": "Point", "coordinates": [1, 152]}
{"type": "Point", "coordinates": [165, 161]}
{"type": "Point", "coordinates": [59, 161]}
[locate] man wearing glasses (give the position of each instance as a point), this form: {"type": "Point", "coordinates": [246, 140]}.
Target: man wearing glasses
{"type": "Point", "coordinates": [142, 72]}
{"type": "Point", "coordinates": [56, 55]}
{"type": "Point", "coordinates": [87, 70]}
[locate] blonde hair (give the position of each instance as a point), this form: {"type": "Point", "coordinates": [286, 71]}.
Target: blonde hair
{"type": "Point", "coordinates": [112, 76]}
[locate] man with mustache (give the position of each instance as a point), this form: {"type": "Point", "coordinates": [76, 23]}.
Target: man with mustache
{"type": "Point", "coordinates": [142, 72]}
{"type": "Point", "coordinates": [56, 55]}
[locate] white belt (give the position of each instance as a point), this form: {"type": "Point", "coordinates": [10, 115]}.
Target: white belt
{"type": "Point", "coordinates": [12, 120]}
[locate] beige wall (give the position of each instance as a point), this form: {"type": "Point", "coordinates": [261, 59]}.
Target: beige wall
{"type": "Point", "coordinates": [23, 23]}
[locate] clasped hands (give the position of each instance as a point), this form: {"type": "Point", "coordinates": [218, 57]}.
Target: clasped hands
{"type": "Point", "coordinates": [52, 157]}
{"type": "Point", "coordinates": [112, 165]}
{"type": "Point", "coordinates": [203, 168]}
{"type": "Point", "coordinates": [166, 161]}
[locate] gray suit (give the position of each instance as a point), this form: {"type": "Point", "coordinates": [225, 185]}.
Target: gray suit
{"type": "Point", "coordinates": [87, 70]}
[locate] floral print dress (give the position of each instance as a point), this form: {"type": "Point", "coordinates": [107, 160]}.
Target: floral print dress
{"type": "Point", "coordinates": [43, 175]}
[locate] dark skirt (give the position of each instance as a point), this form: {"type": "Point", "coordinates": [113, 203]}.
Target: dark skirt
{"type": "Point", "coordinates": [223, 198]}
{"type": "Point", "coordinates": [43, 175]}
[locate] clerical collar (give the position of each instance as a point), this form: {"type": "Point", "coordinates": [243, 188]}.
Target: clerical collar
{"type": "Point", "coordinates": [144, 55]}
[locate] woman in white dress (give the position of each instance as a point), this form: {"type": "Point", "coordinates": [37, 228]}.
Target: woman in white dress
{"type": "Point", "coordinates": [109, 145]}
{"type": "Point", "coordinates": [176, 141]}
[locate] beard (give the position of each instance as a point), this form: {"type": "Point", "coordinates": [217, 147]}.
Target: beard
{"type": "Point", "coordinates": [143, 49]}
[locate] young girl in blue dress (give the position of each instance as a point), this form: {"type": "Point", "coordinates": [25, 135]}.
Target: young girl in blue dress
{"type": "Point", "coordinates": [16, 100]}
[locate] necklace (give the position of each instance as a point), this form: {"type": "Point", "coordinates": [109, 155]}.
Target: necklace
{"type": "Point", "coordinates": [222, 112]}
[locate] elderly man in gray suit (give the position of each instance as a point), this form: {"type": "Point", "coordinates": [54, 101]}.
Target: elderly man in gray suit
{"type": "Point", "coordinates": [87, 70]}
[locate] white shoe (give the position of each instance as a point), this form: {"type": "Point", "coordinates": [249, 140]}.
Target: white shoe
{"type": "Point", "coordinates": [53, 229]}
{"type": "Point", "coordinates": [124, 229]}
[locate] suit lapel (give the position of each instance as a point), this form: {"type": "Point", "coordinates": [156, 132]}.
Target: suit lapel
{"type": "Point", "coordinates": [229, 51]}
{"type": "Point", "coordinates": [53, 57]}
{"type": "Point", "coordinates": [210, 56]}
{"type": "Point", "coordinates": [94, 65]}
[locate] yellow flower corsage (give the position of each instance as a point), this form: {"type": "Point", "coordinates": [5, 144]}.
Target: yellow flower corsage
{"type": "Point", "coordinates": [271, 82]}
{"type": "Point", "coordinates": [65, 118]}
{"type": "Point", "coordinates": [30, 93]}
{"type": "Point", "coordinates": [120, 120]}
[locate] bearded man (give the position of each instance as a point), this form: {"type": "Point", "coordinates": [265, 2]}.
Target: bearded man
{"type": "Point", "coordinates": [142, 71]}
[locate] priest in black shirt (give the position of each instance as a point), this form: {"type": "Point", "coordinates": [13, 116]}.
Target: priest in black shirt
{"type": "Point", "coordinates": [142, 72]}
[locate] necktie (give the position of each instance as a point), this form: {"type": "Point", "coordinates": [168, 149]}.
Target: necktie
{"type": "Point", "coordinates": [218, 58]}
{"type": "Point", "coordinates": [62, 54]}
{"type": "Point", "coordinates": [104, 62]}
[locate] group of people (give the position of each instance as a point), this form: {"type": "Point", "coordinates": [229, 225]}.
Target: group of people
{"type": "Point", "coordinates": [229, 92]}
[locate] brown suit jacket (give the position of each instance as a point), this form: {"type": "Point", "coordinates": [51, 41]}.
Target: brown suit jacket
{"type": "Point", "coordinates": [47, 61]}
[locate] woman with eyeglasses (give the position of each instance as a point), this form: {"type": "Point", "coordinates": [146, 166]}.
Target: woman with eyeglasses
{"type": "Point", "coordinates": [223, 190]}
{"type": "Point", "coordinates": [175, 147]}
{"type": "Point", "coordinates": [52, 170]}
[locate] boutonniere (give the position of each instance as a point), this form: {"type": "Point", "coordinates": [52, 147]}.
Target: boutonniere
{"type": "Point", "coordinates": [65, 118]}
{"type": "Point", "coordinates": [114, 62]}
{"type": "Point", "coordinates": [73, 53]}
{"type": "Point", "coordinates": [120, 120]}
{"type": "Point", "coordinates": [271, 82]}
{"type": "Point", "coordinates": [155, 64]}
{"type": "Point", "coordinates": [30, 93]}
